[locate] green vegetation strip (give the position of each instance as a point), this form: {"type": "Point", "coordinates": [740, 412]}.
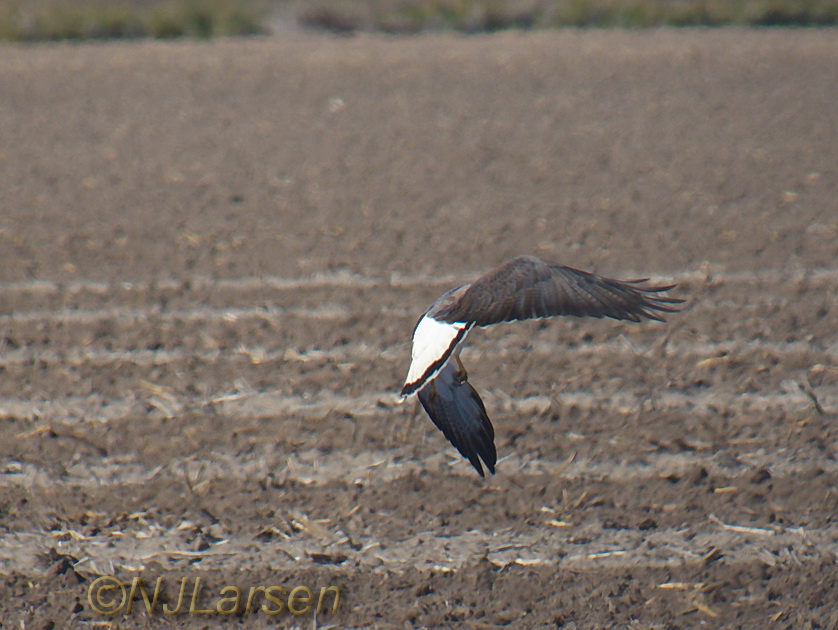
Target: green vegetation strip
{"type": "Point", "coordinates": [37, 20]}
{"type": "Point", "coordinates": [471, 16]}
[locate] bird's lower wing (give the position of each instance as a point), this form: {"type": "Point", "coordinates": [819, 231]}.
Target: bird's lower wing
{"type": "Point", "coordinates": [456, 409]}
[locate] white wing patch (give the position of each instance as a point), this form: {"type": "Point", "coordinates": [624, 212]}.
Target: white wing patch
{"type": "Point", "coordinates": [433, 344]}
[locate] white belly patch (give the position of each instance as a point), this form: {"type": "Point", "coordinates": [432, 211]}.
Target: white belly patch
{"type": "Point", "coordinates": [433, 344]}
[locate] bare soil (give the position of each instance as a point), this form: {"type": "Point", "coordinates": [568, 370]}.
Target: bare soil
{"type": "Point", "coordinates": [211, 259]}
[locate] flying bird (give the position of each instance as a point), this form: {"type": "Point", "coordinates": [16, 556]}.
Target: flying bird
{"type": "Point", "coordinates": [525, 287]}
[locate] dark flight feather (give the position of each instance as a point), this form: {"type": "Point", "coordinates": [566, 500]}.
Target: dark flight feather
{"type": "Point", "coordinates": [526, 287]}
{"type": "Point", "coordinates": [457, 411]}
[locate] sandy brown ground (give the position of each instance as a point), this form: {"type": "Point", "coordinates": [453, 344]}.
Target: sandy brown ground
{"type": "Point", "coordinates": [211, 258]}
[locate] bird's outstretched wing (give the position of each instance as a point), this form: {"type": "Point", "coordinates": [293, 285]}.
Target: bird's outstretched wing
{"type": "Point", "coordinates": [457, 411]}
{"type": "Point", "coordinates": [527, 287]}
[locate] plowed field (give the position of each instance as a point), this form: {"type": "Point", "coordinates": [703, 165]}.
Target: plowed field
{"type": "Point", "coordinates": [212, 256]}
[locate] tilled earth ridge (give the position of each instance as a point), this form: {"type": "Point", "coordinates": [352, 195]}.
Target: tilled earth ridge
{"type": "Point", "coordinates": [213, 258]}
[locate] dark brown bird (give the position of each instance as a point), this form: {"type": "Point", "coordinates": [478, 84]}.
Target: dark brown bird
{"type": "Point", "coordinates": [526, 287]}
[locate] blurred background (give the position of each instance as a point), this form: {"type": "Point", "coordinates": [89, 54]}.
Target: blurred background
{"type": "Point", "coordinates": [31, 20]}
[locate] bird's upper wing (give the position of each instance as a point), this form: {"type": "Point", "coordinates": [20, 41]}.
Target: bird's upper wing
{"type": "Point", "coordinates": [527, 287]}
{"type": "Point", "coordinates": [457, 411]}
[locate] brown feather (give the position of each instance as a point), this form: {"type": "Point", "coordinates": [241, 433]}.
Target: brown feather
{"type": "Point", "coordinates": [527, 287]}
